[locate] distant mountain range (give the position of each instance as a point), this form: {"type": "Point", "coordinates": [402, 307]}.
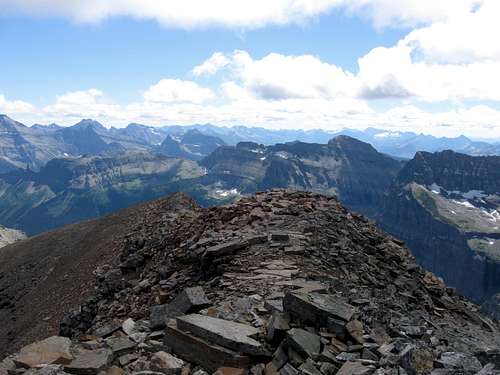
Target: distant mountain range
{"type": "Point", "coordinates": [407, 144]}
{"type": "Point", "coordinates": [23, 147]}
{"type": "Point", "coordinates": [445, 204]}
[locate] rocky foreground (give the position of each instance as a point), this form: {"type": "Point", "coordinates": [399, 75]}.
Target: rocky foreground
{"type": "Point", "coordinates": [281, 283]}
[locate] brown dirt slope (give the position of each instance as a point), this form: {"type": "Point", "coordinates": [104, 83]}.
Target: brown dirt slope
{"type": "Point", "coordinates": [45, 276]}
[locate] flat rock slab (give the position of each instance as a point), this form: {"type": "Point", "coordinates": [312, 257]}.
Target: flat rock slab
{"type": "Point", "coordinates": [316, 308]}
{"type": "Point", "coordinates": [53, 350]}
{"type": "Point", "coordinates": [190, 300]}
{"type": "Point", "coordinates": [196, 350]}
{"type": "Point", "coordinates": [226, 248]}
{"type": "Point", "coordinates": [232, 335]}
{"type": "Point", "coordinates": [90, 363]}
{"type": "Point", "coordinates": [120, 345]}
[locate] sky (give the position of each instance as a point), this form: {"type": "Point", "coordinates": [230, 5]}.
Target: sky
{"type": "Point", "coordinates": [419, 65]}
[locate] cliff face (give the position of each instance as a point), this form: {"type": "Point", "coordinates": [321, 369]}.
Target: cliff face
{"type": "Point", "coordinates": [346, 167]}
{"type": "Point", "coordinates": [445, 206]}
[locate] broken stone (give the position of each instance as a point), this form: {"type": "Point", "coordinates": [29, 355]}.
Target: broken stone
{"type": "Point", "coordinates": [280, 236]}
{"type": "Point", "coordinates": [90, 363]}
{"type": "Point", "coordinates": [53, 350]}
{"type": "Point", "coordinates": [190, 300]}
{"type": "Point", "coordinates": [308, 368]}
{"type": "Point", "coordinates": [459, 362]}
{"type": "Point", "coordinates": [288, 369]}
{"type": "Point", "coordinates": [225, 248]}
{"type": "Point", "coordinates": [277, 327]}
{"type": "Point", "coordinates": [355, 368]}
{"type": "Point", "coordinates": [235, 336]}
{"type": "Point", "coordinates": [199, 351]}
{"type": "Point", "coordinates": [166, 363]}
{"type": "Point", "coordinates": [120, 345]}
{"type": "Point", "coordinates": [114, 370]}
{"type": "Point", "coordinates": [356, 330]}
{"type": "Point", "coordinates": [274, 305]}
{"type": "Point", "coordinates": [229, 371]}
{"type": "Point", "coordinates": [417, 360]}
{"type": "Point", "coordinates": [127, 358]}
{"type": "Point", "coordinates": [107, 331]}
{"type": "Point", "coordinates": [316, 308]}
{"type": "Point", "coordinates": [305, 343]}
{"type": "Point", "coordinates": [128, 326]}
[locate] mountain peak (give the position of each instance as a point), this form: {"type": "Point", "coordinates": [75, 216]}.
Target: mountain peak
{"type": "Point", "coordinates": [89, 123]}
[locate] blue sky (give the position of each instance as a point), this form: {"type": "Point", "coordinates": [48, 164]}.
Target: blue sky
{"type": "Point", "coordinates": [122, 56]}
{"type": "Point", "coordinates": [301, 64]}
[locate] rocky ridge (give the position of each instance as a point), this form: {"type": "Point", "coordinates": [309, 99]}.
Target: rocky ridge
{"type": "Point", "coordinates": [279, 283]}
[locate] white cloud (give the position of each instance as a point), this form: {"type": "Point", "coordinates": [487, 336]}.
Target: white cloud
{"type": "Point", "coordinates": [15, 106]}
{"type": "Point", "coordinates": [279, 77]}
{"type": "Point", "coordinates": [82, 104]}
{"type": "Point", "coordinates": [211, 66]}
{"type": "Point", "coordinates": [242, 13]}
{"type": "Point", "coordinates": [457, 58]}
{"type": "Point", "coordinates": [180, 13]}
{"type": "Point", "coordinates": [177, 91]}
{"type": "Point", "coordinates": [410, 13]}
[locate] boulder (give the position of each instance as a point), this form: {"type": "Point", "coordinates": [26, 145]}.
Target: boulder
{"type": "Point", "coordinates": [316, 308]}
{"type": "Point", "coordinates": [53, 350]}
{"type": "Point", "coordinates": [232, 335]}
{"type": "Point", "coordinates": [201, 352]}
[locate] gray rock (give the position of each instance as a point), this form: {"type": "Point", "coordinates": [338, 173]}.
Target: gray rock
{"type": "Point", "coordinates": [120, 345]}
{"type": "Point", "coordinates": [305, 343]}
{"type": "Point", "coordinates": [316, 308]}
{"type": "Point", "coordinates": [280, 236]}
{"type": "Point", "coordinates": [459, 361]}
{"type": "Point", "coordinates": [355, 368]}
{"type": "Point", "coordinates": [90, 363]}
{"type": "Point", "coordinates": [308, 368]}
{"type": "Point", "coordinates": [198, 351]}
{"type": "Point", "coordinates": [276, 327]}
{"type": "Point", "coordinates": [190, 300]}
{"type": "Point", "coordinates": [225, 248]}
{"type": "Point", "coordinates": [235, 336]}
{"type": "Point", "coordinates": [166, 363]}
{"type": "Point", "coordinates": [288, 369]}
{"type": "Point", "coordinates": [417, 360]}
{"type": "Point", "coordinates": [53, 350]}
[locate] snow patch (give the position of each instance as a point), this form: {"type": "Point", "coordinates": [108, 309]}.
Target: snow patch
{"type": "Point", "coordinates": [226, 193]}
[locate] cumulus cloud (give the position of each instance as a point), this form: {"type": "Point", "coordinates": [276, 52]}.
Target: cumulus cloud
{"type": "Point", "coordinates": [82, 104]}
{"type": "Point", "coordinates": [279, 77]}
{"type": "Point", "coordinates": [456, 59]}
{"type": "Point", "coordinates": [178, 91]}
{"type": "Point", "coordinates": [15, 106]}
{"type": "Point", "coordinates": [212, 65]}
